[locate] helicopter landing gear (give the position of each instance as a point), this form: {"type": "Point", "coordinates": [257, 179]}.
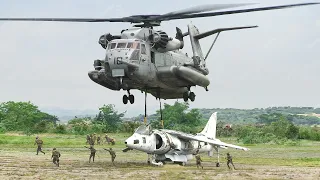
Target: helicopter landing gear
{"type": "Point", "coordinates": [129, 97]}
{"type": "Point", "coordinates": [185, 96]}
{"type": "Point", "coordinates": [192, 96]}
{"type": "Point", "coordinates": [189, 95]}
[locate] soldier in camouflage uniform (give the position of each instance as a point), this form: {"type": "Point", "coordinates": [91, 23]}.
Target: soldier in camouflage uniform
{"type": "Point", "coordinates": [98, 140]}
{"type": "Point", "coordinates": [92, 153]}
{"type": "Point", "coordinates": [91, 142]}
{"type": "Point", "coordinates": [55, 156]}
{"type": "Point", "coordinates": [229, 159]}
{"type": "Point", "coordinates": [107, 139]}
{"type": "Point", "coordinates": [112, 153]}
{"type": "Point", "coordinates": [198, 160]}
{"type": "Point", "coordinates": [39, 143]}
{"type": "Point", "coordinates": [113, 142]}
{"type": "Point", "coordinates": [94, 138]}
{"type": "Point", "coordinates": [88, 139]}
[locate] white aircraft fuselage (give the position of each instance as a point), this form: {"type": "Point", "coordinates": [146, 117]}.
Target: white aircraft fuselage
{"type": "Point", "coordinates": [170, 145]}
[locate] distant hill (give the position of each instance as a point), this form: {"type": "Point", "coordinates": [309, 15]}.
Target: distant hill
{"type": "Point", "coordinates": [65, 115]}
{"type": "Point", "coordinates": [251, 115]}
{"type": "Point", "coordinates": [298, 115]}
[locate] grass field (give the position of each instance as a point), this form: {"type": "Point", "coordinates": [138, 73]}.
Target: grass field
{"type": "Point", "coordinates": [18, 161]}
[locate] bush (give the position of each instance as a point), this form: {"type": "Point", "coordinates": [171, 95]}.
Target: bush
{"type": "Point", "coordinates": [40, 127]}
{"type": "Point", "coordinates": [97, 128]}
{"type": "Point", "coordinates": [2, 128]}
{"type": "Point", "coordinates": [130, 126]}
{"type": "Point", "coordinates": [61, 129]}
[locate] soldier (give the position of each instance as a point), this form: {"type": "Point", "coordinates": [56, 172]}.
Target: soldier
{"type": "Point", "coordinates": [198, 159]}
{"type": "Point", "coordinates": [113, 142]}
{"type": "Point", "coordinates": [39, 142]}
{"type": "Point", "coordinates": [91, 142]}
{"type": "Point", "coordinates": [94, 138]}
{"type": "Point", "coordinates": [55, 156]}
{"type": "Point", "coordinates": [112, 153]}
{"type": "Point", "coordinates": [229, 158]}
{"type": "Point", "coordinates": [98, 140]}
{"type": "Point", "coordinates": [88, 139]}
{"type": "Point", "coordinates": [107, 138]}
{"type": "Point", "coordinates": [92, 153]}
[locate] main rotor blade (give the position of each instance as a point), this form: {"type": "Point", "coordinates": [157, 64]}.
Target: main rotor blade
{"type": "Point", "coordinates": [126, 19]}
{"type": "Point", "coordinates": [201, 8]}
{"type": "Point", "coordinates": [186, 16]}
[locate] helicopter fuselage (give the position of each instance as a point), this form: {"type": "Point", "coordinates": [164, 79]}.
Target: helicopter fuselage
{"type": "Point", "coordinates": [133, 62]}
{"type": "Point", "coordinates": [130, 64]}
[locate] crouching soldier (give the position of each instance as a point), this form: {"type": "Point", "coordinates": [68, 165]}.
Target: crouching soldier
{"type": "Point", "coordinates": [55, 156]}
{"type": "Point", "coordinates": [113, 141]}
{"type": "Point", "coordinates": [229, 161]}
{"type": "Point", "coordinates": [112, 153]}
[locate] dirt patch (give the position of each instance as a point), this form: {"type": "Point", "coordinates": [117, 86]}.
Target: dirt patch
{"type": "Point", "coordinates": [75, 165]}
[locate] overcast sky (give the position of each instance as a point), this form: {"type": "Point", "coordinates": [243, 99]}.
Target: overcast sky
{"type": "Point", "coordinates": [277, 64]}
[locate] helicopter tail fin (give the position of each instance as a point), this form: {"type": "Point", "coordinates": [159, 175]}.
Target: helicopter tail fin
{"type": "Point", "coordinates": [198, 57]}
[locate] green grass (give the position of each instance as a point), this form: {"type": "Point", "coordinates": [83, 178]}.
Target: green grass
{"type": "Point", "coordinates": [10, 140]}
{"type": "Point", "coordinates": [307, 153]}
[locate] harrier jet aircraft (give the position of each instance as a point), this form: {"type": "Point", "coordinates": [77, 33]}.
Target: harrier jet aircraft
{"type": "Point", "coordinates": [169, 145]}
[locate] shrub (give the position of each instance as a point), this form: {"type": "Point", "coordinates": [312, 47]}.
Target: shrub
{"type": "Point", "coordinates": [61, 129]}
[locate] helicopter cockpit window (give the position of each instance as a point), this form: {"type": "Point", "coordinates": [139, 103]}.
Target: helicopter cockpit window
{"type": "Point", "coordinates": [143, 49]}
{"type": "Point", "coordinates": [121, 45]}
{"type": "Point", "coordinates": [133, 45]}
{"type": "Point", "coordinates": [130, 45]}
{"type": "Point", "coordinates": [113, 45]}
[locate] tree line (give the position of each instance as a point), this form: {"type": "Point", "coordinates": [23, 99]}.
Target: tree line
{"type": "Point", "coordinates": [268, 127]}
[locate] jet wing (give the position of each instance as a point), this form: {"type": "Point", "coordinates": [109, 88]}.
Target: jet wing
{"type": "Point", "coordinates": [215, 142]}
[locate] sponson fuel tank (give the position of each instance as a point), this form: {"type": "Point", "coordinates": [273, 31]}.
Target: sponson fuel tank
{"type": "Point", "coordinates": [191, 75]}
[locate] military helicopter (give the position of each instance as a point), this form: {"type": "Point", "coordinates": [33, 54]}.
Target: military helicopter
{"type": "Point", "coordinates": [149, 60]}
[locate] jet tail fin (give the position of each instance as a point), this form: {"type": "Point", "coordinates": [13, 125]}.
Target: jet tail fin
{"type": "Point", "coordinates": [210, 129]}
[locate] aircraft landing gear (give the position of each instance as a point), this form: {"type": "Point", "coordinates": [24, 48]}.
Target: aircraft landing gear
{"type": "Point", "coordinates": [129, 97]}
{"type": "Point", "coordinates": [218, 156]}
{"type": "Point", "coordinates": [189, 95]}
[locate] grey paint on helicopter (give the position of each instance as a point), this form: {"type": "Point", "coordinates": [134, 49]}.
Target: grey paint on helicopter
{"type": "Point", "coordinates": [275, 64]}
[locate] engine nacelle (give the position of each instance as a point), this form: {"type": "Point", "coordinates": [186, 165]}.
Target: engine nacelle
{"type": "Point", "coordinates": [173, 44]}
{"type": "Point", "coordinates": [162, 43]}
{"type": "Point", "coordinates": [104, 39]}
